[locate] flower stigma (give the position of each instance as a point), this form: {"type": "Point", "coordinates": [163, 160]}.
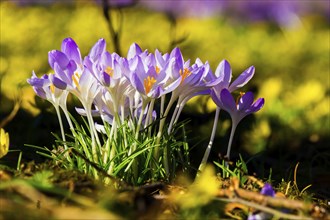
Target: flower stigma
{"type": "Point", "coordinates": [148, 83]}
{"type": "Point", "coordinates": [157, 69]}
{"type": "Point", "coordinates": [185, 74]}
{"type": "Point", "coordinates": [75, 79]}
{"type": "Point", "coordinates": [109, 71]}
{"type": "Point", "coordinates": [52, 88]}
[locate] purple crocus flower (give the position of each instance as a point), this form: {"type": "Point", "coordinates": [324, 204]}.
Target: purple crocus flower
{"type": "Point", "coordinates": [237, 110]}
{"type": "Point", "coordinates": [69, 70]}
{"type": "Point", "coordinates": [242, 108]}
{"type": "Point", "coordinates": [45, 89]}
{"type": "Point", "coordinates": [223, 74]}
{"type": "Point", "coordinates": [111, 71]}
{"type": "Point", "coordinates": [197, 79]}
{"type": "Point", "coordinates": [266, 190]}
{"type": "Point", "coordinates": [149, 74]}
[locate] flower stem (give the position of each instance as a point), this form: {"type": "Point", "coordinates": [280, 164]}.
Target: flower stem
{"type": "Point", "coordinates": [209, 146]}
{"type": "Point", "coordinates": [159, 135]}
{"type": "Point", "coordinates": [232, 133]}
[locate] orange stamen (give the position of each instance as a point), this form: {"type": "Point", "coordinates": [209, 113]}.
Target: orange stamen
{"type": "Point", "coordinates": [239, 97]}
{"type": "Point", "coordinates": [75, 79]}
{"type": "Point", "coordinates": [148, 83]}
{"type": "Point", "coordinates": [185, 74]}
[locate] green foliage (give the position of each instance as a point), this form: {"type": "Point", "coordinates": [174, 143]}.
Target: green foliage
{"type": "Point", "coordinates": [238, 171]}
{"type": "Point", "coordinates": [117, 159]}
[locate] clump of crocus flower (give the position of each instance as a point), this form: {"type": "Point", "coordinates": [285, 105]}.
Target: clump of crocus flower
{"type": "Point", "coordinates": [122, 92]}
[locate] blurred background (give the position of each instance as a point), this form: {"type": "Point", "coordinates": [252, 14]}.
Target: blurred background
{"type": "Point", "coordinates": [286, 41]}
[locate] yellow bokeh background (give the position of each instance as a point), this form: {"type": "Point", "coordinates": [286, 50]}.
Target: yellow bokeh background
{"type": "Point", "coordinates": [292, 65]}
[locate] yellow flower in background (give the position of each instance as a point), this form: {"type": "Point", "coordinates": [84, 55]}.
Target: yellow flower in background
{"type": "Point", "coordinates": [4, 142]}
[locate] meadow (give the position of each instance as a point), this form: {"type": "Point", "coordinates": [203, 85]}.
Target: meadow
{"type": "Point", "coordinates": [285, 143]}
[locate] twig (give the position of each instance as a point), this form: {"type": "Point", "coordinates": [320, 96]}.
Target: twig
{"type": "Point", "coordinates": [12, 114]}
{"type": "Point", "coordinates": [113, 33]}
{"type": "Point", "coordinates": [263, 208]}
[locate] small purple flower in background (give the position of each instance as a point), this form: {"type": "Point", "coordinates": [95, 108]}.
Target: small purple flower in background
{"type": "Point", "coordinates": [266, 190]}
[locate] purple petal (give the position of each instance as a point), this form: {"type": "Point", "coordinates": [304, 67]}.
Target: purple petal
{"type": "Point", "coordinates": [267, 190]}
{"type": "Point", "coordinates": [70, 48]}
{"type": "Point", "coordinates": [215, 98]}
{"type": "Point", "coordinates": [242, 79]}
{"type": "Point", "coordinates": [245, 101]}
{"type": "Point", "coordinates": [159, 58]}
{"type": "Point", "coordinates": [227, 101]}
{"type": "Point", "coordinates": [38, 82]}
{"type": "Point", "coordinates": [136, 83]}
{"type": "Point", "coordinates": [72, 66]}
{"type": "Point", "coordinates": [105, 79]}
{"type": "Point", "coordinates": [176, 53]}
{"type": "Point", "coordinates": [257, 105]}
{"type": "Point", "coordinates": [133, 50]}
{"type": "Point", "coordinates": [224, 73]}
{"type": "Point", "coordinates": [173, 85]}
{"type": "Point", "coordinates": [57, 82]}
{"type": "Point", "coordinates": [97, 50]}
{"type": "Point", "coordinates": [58, 57]}
{"type": "Point", "coordinates": [61, 74]}
{"type": "Point", "coordinates": [157, 92]}
{"type": "Point", "coordinates": [40, 92]}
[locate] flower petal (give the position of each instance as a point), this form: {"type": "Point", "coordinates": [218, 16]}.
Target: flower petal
{"type": "Point", "coordinates": [70, 48]}
{"type": "Point", "coordinates": [58, 57]}
{"type": "Point", "coordinates": [136, 83]}
{"type": "Point", "coordinates": [227, 101]}
{"type": "Point", "coordinates": [224, 72]}
{"type": "Point", "coordinates": [245, 101]}
{"type": "Point", "coordinates": [257, 105]}
{"type": "Point", "coordinates": [242, 79]}
{"type": "Point", "coordinates": [58, 82]}
{"type": "Point", "coordinates": [133, 50]}
{"type": "Point", "coordinates": [97, 50]}
{"type": "Point", "coordinates": [267, 190]}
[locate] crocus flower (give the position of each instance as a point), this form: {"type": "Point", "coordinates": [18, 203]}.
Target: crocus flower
{"type": "Point", "coordinates": [223, 73]}
{"type": "Point", "coordinates": [78, 80]}
{"type": "Point", "coordinates": [149, 73]}
{"type": "Point", "coordinates": [45, 89]}
{"type": "Point", "coordinates": [110, 70]}
{"type": "Point", "coordinates": [69, 70]}
{"type": "Point", "coordinates": [266, 190]}
{"type": "Point", "coordinates": [197, 79]}
{"type": "Point", "coordinates": [237, 110]}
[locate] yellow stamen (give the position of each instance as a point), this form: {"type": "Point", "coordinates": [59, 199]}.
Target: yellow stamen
{"type": "Point", "coordinates": [157, 69]}
{"type": "Point", "coordinates": [148, 83]}
{"type": "Point", "coordinates": [185, 74]}
{"type": "Point", "coordinates": [52, 88]}
{"type": "Point", "coordinates": [75, 79]}
{"type": "Point", "coordinates": [239, 97]}
{"type": "Point", "coordinates": [109, 71]}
